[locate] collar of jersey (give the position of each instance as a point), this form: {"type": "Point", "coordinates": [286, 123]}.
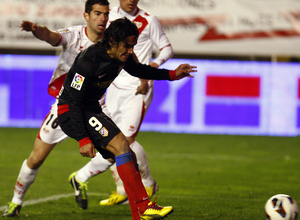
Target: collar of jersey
{"type": "Point", "coordinates": [128, 15]}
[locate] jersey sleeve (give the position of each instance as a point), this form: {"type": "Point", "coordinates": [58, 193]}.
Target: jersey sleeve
{"type": "Point", "coordinates": [144, 71]}
{"type": "Point", "coordinates": [161, 41]}
{"type": "Point", "coordinates": [78, 81]}
{"type": "Point", "coordinates": [67, 35]}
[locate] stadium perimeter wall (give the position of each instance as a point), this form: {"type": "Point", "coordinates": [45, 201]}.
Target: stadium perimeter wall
{"type": "Point", "coordinates": [224, 97]}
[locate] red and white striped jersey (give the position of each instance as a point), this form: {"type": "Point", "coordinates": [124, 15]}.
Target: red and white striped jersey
{"type": "Point", "coordinates": [73, 40]}
{"type": "Point", "coordinates": [151, 33]}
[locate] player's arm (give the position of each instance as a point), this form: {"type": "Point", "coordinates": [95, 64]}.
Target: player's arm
{"type": "Point", "coordinates": [72, 99]}
{"type": "Point", "coordinates": [144, 86]}
{"type": "Point", "coordinates": [79, 71]}
{"type": "Point", "coordinates": [41, 32]}
{"type": "Point", "coordinates": [148, 72]}
{"type": "Point", "coordinates": [159, 38]}
{"type": "Point", "coordinates": [161, 41]}
{"type": "Point", "coordinates": [165, 53]}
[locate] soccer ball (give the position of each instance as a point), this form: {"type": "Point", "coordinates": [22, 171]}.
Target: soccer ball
{"type": "Point", "coordinates": [281, 207]}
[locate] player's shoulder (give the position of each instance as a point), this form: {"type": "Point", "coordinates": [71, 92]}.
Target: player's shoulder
{"type": "Point", "coordinates": [76, 28]}
{"type": "Point", "coordinates": [113, 11]}
{"type": "Point", "coordinates": [113, 14]}
{"type": "Point", "coordinates": [144, 13]}
{"type": "Point", "coordinates": [95, 51]}
{"type": "Point", "coordinates": [147, 15]}
{"type": "Point", "coordinates": [87, 57]}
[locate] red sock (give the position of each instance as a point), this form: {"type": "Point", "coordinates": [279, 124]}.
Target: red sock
{"type": "Point", "coordinates": [132, 181]}
{"type": "Point", "coordinates": [133, 207]}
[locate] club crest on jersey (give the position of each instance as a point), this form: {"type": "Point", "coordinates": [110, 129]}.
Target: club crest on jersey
{"type": "Point", "coordinates": [77, 81]}
{"type": "Point", "coordinates": [138, 24]}
{"type": "Point", "coordinates": [45, 130]}
{"type": "Point", "coordinates": [104, 132]}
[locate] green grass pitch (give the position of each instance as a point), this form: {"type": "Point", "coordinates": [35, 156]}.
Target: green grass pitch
{"type": "Point", "coordinates": [202, 176]}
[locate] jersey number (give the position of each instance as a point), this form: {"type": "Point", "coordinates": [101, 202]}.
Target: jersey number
{"type": "Point", "coordinates": [94, 122]}
{"type": "Point", "coordinates": [54, 123]}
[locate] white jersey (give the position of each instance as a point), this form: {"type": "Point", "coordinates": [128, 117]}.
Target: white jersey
{"type": "Point", "coordinates": [151, 33]}
{"type": "Point", "coordinates": [73, 40]}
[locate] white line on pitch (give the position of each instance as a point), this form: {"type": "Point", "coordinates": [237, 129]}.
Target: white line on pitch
{"type": "Point", "coordinates": [57, 197]}
{"type": "Point", "coordinates": [51, 198]}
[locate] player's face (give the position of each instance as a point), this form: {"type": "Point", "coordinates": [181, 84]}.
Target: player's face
{"type": "Point", "coordinates": [128, 5]}
{"type": "Point", "coordinates": [123, 50]}
{"type": "Point", "coordinates": [97, 18]}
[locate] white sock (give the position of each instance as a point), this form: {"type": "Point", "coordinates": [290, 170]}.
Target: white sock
{"type": "Point", "coordinates": [140, 153]}
{"type": "Point", "coordinates": [96, 166]}
{"type": "Point", "coordinates": [25, 179]}
{"type": "Point", "coordinates": [147, 179]}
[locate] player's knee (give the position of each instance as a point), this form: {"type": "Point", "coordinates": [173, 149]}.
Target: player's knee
{"type": "Point", "coordinates": [119, 145]}
{"type": "Point", "coordinates": [123, 146]}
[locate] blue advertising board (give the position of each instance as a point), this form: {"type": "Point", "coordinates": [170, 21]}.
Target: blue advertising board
{"type": "Point", "coordinates": [224, 97]}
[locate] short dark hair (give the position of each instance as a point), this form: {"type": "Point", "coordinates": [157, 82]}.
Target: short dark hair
{"type": "Point", "coordinates": [89, 4]}
{"type": "Point", "coordinates": [118, 31]}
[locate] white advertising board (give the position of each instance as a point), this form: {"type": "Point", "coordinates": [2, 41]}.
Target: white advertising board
{"type": "Point", "coordinates": [216, 27]}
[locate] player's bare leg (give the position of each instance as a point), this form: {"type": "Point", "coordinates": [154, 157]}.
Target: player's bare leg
{"type": "Point", "coordinates": [39, 153]}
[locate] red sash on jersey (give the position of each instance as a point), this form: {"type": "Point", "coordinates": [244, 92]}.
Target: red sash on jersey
{"type": "Point", "coordinates": [141, 23]}
{"type": "Point", "coordinates": [55, 86]}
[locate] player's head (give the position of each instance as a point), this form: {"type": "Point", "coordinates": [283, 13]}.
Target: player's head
{"type": "Point", "coordinates": [128, 5]}
{"type": "Point", "coordinates": [120, 38]}
{"type": "Point", "coordinates": [90, 3]}
{"type": "Point", "coordinates": [96, 15]}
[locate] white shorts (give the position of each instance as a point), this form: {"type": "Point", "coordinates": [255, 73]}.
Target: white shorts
{"type": "Point", "coordinates": [126, 109]}
{"type": "Point", "coordinates": [50, 132]}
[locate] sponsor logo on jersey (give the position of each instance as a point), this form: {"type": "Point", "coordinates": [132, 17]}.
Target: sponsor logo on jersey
{"type": "Point", "coordinates": [63, 30]}
{"type": "Point", "coordinates": [77, 81]}
{"type": "Point", "coordinates": [104, 132]}
{"type": "Point", "coordinates": [103, 84]}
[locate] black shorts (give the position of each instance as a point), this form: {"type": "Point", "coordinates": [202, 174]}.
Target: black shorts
{"type": "Point", "coordinates": [99, 135]}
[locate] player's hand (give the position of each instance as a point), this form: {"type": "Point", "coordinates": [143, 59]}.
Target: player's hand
{"type": "Point", "coordinates": [184, 70]}
{"type": "Point", "coordinates": [88, 150]}
{"type": "Point", "coordinates": [155, 65]}
{"type": "Point", "coordinates": [143, 87]}
{"type": "Point", "coordinates": [28, 26]}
